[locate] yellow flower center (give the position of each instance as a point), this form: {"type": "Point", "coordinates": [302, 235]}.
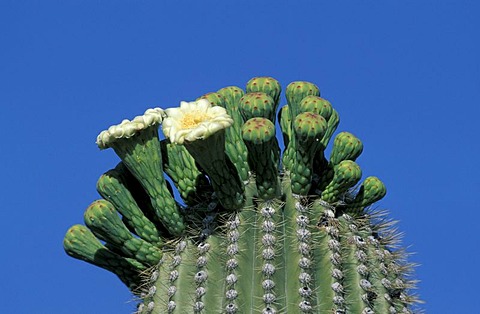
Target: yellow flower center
{"type": "Point", "coordinates": [193, 119]}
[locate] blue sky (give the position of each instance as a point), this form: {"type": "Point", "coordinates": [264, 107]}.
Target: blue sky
{"type": "Point", "coordinates": [404, 76]}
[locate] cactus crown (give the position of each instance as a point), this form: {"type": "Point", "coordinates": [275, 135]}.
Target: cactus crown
{"type": "Point", "coordinates": [261, 230]}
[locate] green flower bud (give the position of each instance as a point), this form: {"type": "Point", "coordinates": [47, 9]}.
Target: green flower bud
{"type": "Point", "coordinates": [232, 95]}
{"type": "Point", "coordinates": [346, 146]}
{"type": "Point", "coordinates": [371, 190]}
{"type": "Point", "coordinates": [259, 104]}
{"type": "Point", "coordinates": [135, 141]}
{"type": "Point", "coordinates": [259, 137]}
{"type": "Point", "coordinates": [234, 147]}
{"type": "Point", "coordinates": [258, 130]}
{"type": "Point", "coordinates": [80, 243]}
{"type": "Point", "coordinates": [104, 221]}
{"type": "Point", "coordinates": [332, 124]}
{"type": "Point", "coordinates": [309, 127]}
{"type": "Point", "coordinates": [285, 122]}
{"type": "Point", "coordinates": [267, 85]}
{"type": "Point", "coordinates": [374, 190]}
{"type": "Point", "coordinates": [346, 174]}
{"type": "Point", "coordinates": [112, 187]}
{"type": "Point", "coordinates": [317, 105]}
{"type": "Point", "coordinates": [215, 99]}
{"type": "Point", "coordinates": [295, 93]}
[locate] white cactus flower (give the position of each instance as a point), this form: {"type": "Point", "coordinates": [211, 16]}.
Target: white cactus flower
{"type": "Point", "coordinates": [194, 120]}
{"type": "Point", "coordinates": [127, 128]}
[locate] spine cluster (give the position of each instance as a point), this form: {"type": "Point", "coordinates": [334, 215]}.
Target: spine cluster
{"type": "Point", "coordinates": [256, 228]}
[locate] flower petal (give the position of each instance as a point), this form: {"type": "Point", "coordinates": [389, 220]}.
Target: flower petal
{"type": "Point", "coordinates": [194, 120]}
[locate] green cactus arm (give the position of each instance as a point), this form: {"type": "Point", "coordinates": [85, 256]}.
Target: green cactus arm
{"type": "Point", "coordinates": [111, 186]}
{"type": "Point", "coordinates": [235, 148]}
{"type": "Point", "coordinates": [136, 143]}
{"type": "Point", "coordinates": [221, 171]}
{"type": "Point", "coordinates": [140, 196]}
{"type": "Point", "coordinates": [237, 153]}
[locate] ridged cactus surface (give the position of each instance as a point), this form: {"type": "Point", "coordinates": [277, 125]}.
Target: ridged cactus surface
{"type": "Point", "coordinates": [253, 229]}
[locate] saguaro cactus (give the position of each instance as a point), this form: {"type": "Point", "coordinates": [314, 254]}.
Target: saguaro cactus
{"type": "Point", "coordinates": [251, 231]}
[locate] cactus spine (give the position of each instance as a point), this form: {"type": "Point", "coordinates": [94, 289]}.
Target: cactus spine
{"type": "Point", "coordinates": [255, 235]}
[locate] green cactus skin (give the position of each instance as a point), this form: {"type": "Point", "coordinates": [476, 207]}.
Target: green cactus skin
{"type": "Point", "coordinates": [371, 190]}
{"type": "Point", "coordinates": [112, 187]}
{"type": "Point", "coordinates": [210, 155]}
{"type": "Point", "coordinates": [316, 105]}
{"type": "Point", "coordinates": [345, 175]}
{"type": "Point", "coordinates": [180, 166]}
{"type": "Point", "coordinates": [253, 105]}
{"type": "Point", "coordinates": [141, 154]}
{"type": "Point", "coordinates": [262, 105]}
{"type": "Point", "coordinates": [259, 135]}
{"type": "Point", "coordinates": [332, 124]}
{"type": "Point", "coordinates": [229, 98]}
{"type": "Point", "coordinates": [309, 128]}
{"type": "Point", "coordinates": [267, 85]}
{"type": "Point", "coordinates": [216, 99]}
{"type": "Point", "coordinates": [346, 146]}
{"type": "Point", "coordinates": [295, 93]}
{"type": "Point", "coordinates": [141, 198]}
{"type": "Point", "coordinates": [232, 95]}
{"type": "Point", "coordinates": [80, 243]}
{"type": "Point", "coordinates": [102, 218]}
{"type": "Point", "coordinates": [283, 241]}
{"type": "Point", "coordinates": [324, 108]}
